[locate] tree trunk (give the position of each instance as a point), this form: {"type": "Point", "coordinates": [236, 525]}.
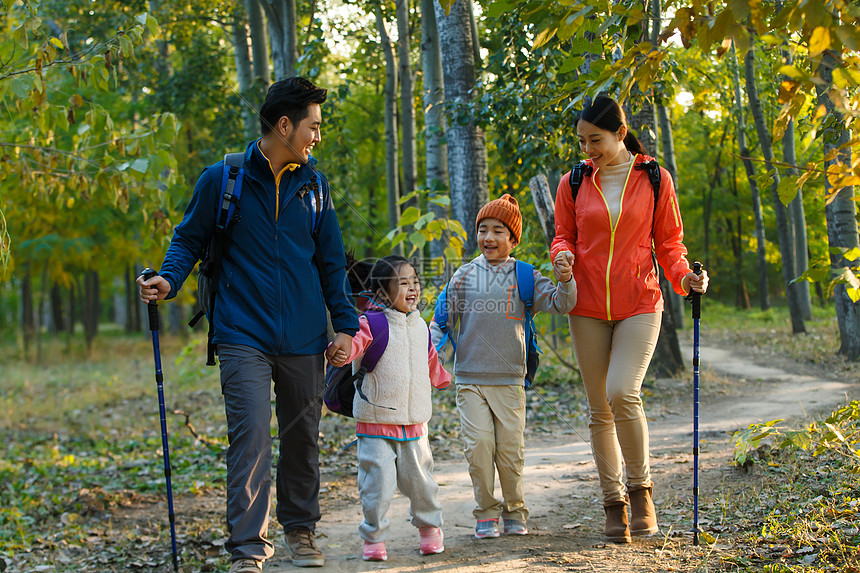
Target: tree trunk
{"type": "Point", "coordinates": [91, 306]}
{"type": "Point", "coordinates": [763, 288]}
{"type": "Point", "coordinates": [435, 149]}
{"type": "Point", "coordinates": [282, 31]}
{"type": "Point", "coordinates": [40, 314]}
{"type": "Point", "coordinates": [392, 159]}
{"type": "Point", "coordinates": [668, 161]}
{"type": "Point", "coordinates": [476, 41]}
{"type": "Point", "coordinates": [797, 223]}
{"type": "Point", "coordinates": [259, 46]}
{"type": "Point", "coordinates": [841, 214]}
{"type": "Point", "coordinates": [242, 57]}
{"type": "Point", "coordinates": [407, 111]}
{"type": "Point", "coordinates": [786, 246]}
{"type": "Point", "coordinates": [27, 318]}
{"type": "Point", "coordinates": [544, 205]}
{"type": "Point", "coordinates": [467, 151]}
{"type": "Point", "coordinates": [58, 324]}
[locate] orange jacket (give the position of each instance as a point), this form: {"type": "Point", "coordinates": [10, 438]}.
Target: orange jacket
{"type": "Point", "coordinates": [613, 268]}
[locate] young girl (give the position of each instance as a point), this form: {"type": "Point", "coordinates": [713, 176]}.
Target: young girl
{"type": "Point", "coordinates": [608, 230]}
{"type": "Point", "coordinates": [393, 450]}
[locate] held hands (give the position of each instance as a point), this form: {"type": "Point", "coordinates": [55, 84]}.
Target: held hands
{"type": "Point", "coordinates": [698, 283]}
{"type": "Point", "coordinates": [156, 288]}
{"type": "Point", "coordinates": [338, 351]}
{"type": "Point", "coordinates": [562, 266]}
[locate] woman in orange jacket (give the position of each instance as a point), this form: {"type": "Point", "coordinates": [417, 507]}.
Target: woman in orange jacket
{"type": "Point", "coordinates": [608, 231]}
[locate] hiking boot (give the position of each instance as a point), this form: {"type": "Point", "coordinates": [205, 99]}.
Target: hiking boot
{"type": "Point", "coordinates": [246, 566]}
{"type": "Point", "coordinates": [374, 551]}
{"type": "Point", "coordinates": [617, 528]}
{"type": "Point", "coordinates": [303, 548]}
{"type": "Point", "coordinates": [515, 527]}
{"type": "Point", "coordinates": [643, 516]}
{"type": "Point", "coordinates": [431, 540]}
{"type": "Point", "coordinates": [487, 528]}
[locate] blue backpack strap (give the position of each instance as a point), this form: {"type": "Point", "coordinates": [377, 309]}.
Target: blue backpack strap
{"type": "Point", "coordinates": [526, 289]}
{"type": "Point", "coordinates": [440, 315]}
{"type": "Point", "coordinates": [316, 203]}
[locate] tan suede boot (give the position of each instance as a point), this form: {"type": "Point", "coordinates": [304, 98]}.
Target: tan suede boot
{"type": "Point", "coordinates": [617, 527]}
{"type": "Point", "coordinates": [643, 516]}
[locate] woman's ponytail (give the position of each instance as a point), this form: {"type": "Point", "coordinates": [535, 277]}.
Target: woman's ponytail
{"type": "Point", "coordinates": [632, 143]}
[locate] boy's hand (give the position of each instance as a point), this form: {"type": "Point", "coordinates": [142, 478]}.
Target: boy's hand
{"type": "Point", "coordinates": [562, 266]}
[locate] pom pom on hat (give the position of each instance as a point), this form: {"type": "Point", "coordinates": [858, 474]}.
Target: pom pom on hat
{"type": "Point", "coordinates": [505, 209]}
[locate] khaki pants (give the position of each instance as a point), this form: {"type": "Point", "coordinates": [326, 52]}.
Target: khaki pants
{"type": "Point", "coordinates": [613, 357]}
{"type": "Point", "coordinates": [492, 421]}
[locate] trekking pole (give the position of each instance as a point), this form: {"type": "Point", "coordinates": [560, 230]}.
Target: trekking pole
{"type": "Point", "coordinates": [152, 307]}
{"type": "Point", "coordinates": [696, 300]}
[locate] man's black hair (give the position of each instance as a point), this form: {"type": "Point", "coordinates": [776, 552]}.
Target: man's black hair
{"type": "Point", "coordinates": [289, 97]}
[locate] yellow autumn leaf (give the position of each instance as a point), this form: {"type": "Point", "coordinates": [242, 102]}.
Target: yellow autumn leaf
{"type": "Point", "coordinates": [819, 41]}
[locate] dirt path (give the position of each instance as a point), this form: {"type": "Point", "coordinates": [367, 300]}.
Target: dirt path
{"type": "Point", "coordinates": [561, 486]}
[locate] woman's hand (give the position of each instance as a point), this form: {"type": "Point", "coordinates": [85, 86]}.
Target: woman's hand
{"type": "Point", "coordinates": [698, 283]}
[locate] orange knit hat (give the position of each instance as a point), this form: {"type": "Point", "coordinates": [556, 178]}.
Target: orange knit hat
{"type": "Point", "coordinates": [505, 209]}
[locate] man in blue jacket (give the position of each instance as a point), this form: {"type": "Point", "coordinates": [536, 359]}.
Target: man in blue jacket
{"type": "Point", "coordinates": [270, 320]}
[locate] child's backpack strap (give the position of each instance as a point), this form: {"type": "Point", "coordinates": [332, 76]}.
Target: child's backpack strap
{"type": "Point", "coordinates": [228, 200]}
{"type": "Point", "coordinates": [526, 288]}
{"type": "Point", "coordinates": [440, 315]}
{"type": "Point", "coordinates": [579, 172]}
{"type": "Point", "coordinates": [379, 331]}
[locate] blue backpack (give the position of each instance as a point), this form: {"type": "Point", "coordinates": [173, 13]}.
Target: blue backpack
{"type": "Point", "coordinates": [228, 206]}
{"type": "Point", "coordinates": [526, 289]}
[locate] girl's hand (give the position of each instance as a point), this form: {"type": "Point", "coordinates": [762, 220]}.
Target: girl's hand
{"type": "Point", "coordinates": [698, 283]}
{"type": "Point", "coordinates": [562, 266]}
{"type": "Point", "coordinates": [338, 351]}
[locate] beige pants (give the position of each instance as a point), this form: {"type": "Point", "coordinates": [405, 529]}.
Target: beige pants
{"type": "Point", "coordinates": [492, 421]}
{"type": "Point", "coordinates": [613, 357]}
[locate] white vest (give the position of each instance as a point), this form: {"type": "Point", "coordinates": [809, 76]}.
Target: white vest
{"type": "Point", "coordinates": [401, 379]}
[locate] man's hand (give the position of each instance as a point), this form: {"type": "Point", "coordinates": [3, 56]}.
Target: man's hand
{"type": "Point", "coordinates": [562, 266]}
{"type": "Point", "coordinates": [156, 288]}
{"type": "Point", "coordinates": [338, 351]}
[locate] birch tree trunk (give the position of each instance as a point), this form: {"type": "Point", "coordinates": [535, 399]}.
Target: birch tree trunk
{"type": "Point", "coordinates": [763, 293]}
{"type": "Point", "coordinates": [242, 57]}
{"type": "Point", "coordinates": [467, 151]}
{"type": "Point", "coordinates": [435, 150]}
{"type": "Point", "coordinates": [407, 101]}
{"type": "Point", "coordinates": [392, 161]}
{"type": "Point", "coordinates": [841, 213]}
{"type": "Point", "coordinates": [786, 246]}
{"type": "Point", "coordinates": [797, 223]}
{"type": "Point", "coordinates": [282, 32]}
{"type": "Point", "coordinates": [259, 52]}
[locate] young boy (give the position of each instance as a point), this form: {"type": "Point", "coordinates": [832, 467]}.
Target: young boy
{"type": "Point", "coordinates": [486, 321]}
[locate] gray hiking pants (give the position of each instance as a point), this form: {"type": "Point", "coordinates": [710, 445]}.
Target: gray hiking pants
{"type": "Point", "coordinates": [383, 467]}
{"type": "Point", "coordinates": [246, 383]}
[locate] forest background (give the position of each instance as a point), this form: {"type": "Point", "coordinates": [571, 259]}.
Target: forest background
{"type": "Point", "coordinates": [111, 109]}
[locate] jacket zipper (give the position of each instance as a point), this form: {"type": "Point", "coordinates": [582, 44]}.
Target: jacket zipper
{"type": "Point", "coordinates": [612, 229]}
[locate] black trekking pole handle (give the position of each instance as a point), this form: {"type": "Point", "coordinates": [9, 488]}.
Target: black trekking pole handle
{"type": "Point", "coordinates": [696, 297]}
{"type": "Point", "coordinates": [152, 306]}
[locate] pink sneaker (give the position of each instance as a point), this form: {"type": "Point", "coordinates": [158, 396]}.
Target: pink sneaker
{"type": "Point", "coordinates": [374, 551]}
{"type": "Point", "coordinates": [431, 540]}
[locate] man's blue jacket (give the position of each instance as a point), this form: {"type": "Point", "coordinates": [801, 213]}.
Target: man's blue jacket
{"type": "Point", "coordinates": [269, 292]}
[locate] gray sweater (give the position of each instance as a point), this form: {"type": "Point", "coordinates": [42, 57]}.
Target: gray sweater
{"type": "Point", "coordinates": [486, 320]}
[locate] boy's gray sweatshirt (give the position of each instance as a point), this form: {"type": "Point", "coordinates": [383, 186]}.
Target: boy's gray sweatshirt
{"type": "Point", "coordinates": [486, 320]}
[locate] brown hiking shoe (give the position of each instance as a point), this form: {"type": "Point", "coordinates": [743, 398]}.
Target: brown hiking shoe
{"type": "Point", "coordinates": [617, 527]}
{"type": "Point", "coordinates": [303, 548]}
{"type": "Point", "coordinates": [643, 516]}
